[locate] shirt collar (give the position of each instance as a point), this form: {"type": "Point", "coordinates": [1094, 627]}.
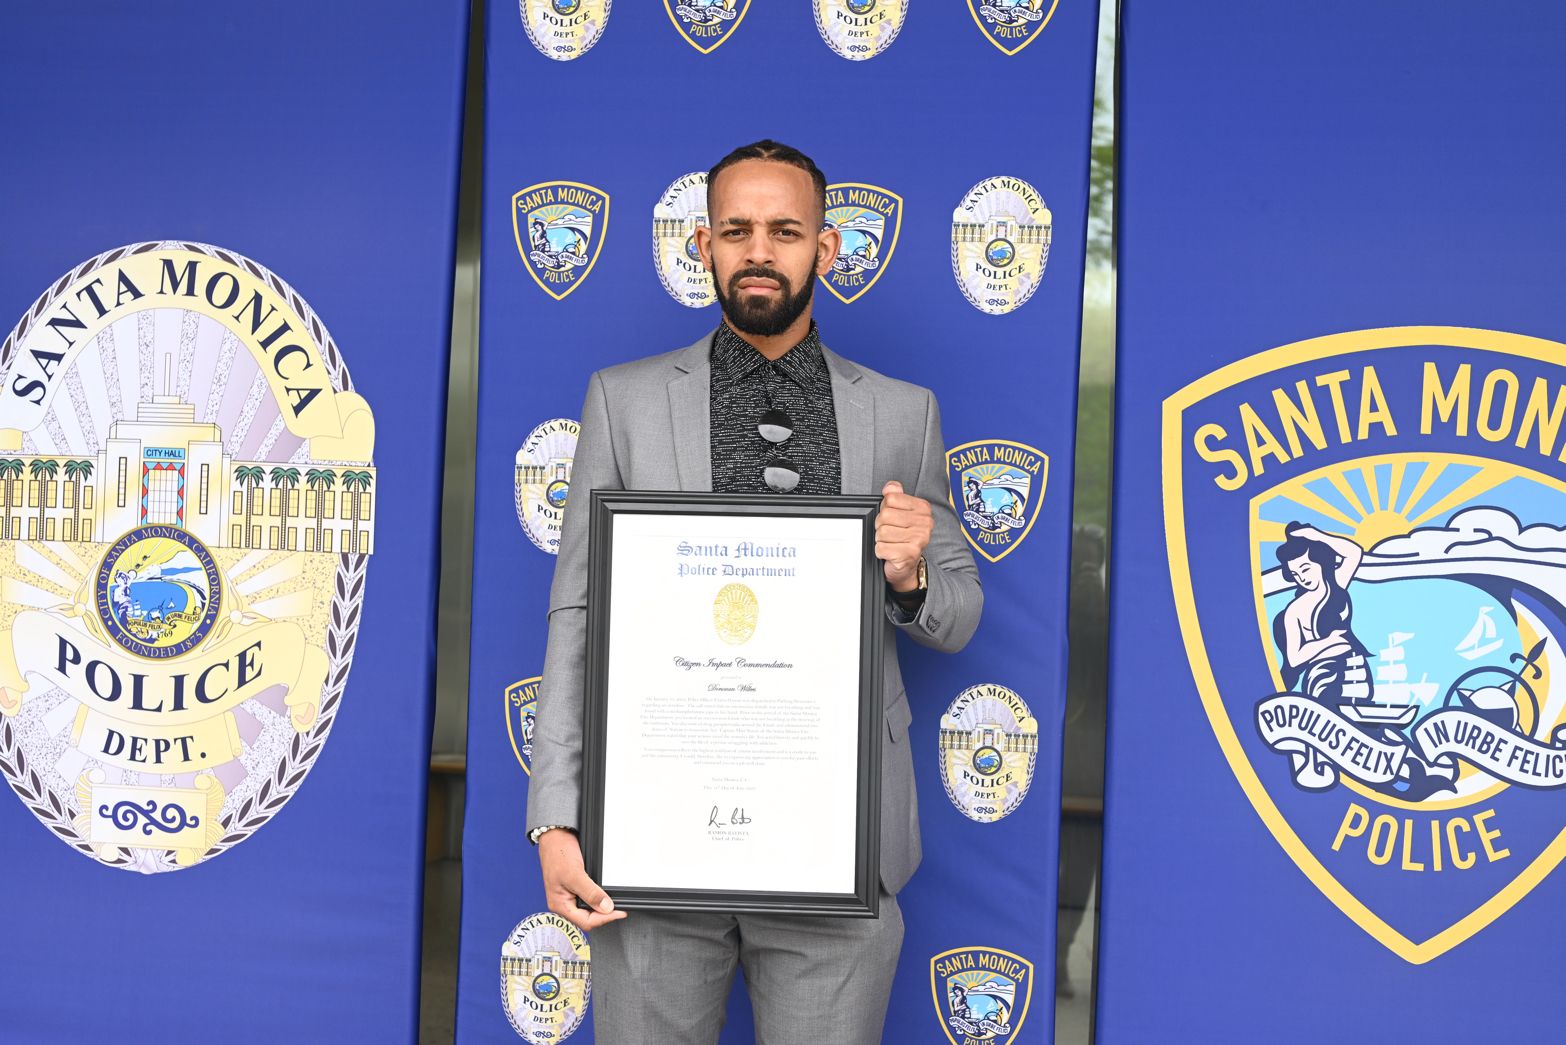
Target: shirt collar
{"type": "Point", "coordinates": [735, 358]}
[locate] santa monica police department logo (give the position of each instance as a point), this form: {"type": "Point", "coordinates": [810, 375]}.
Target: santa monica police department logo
{"type": "Point", "coordinates": [859, 29]}
{"type": "Point", "coordinates": [521, 707]}
{"type": "Point", "coordinates": [184, 566]}
{"type": "Point", "coordinates": [1396, 710]}
{"type": "Point", "coordinates": [705, 24]}
{"type": "Point", "coordinates": [1000, 244]}
{"type": "Point", "coordinates": [679, 212]}
{"type": "Point", "coordinates": [996, 488]}
{"type": "Point", "coordinates": [543, 480]}
{"type": "Point", "coordinates": [869, 218]}
{"type": "Point", "coordinates": [1011, 25]}
{"type": "Point", "coordinates": [564, 29]}
{"type": "Point", "coordinates": [559, 228]}
{"type": "Point", "coordinates": [989, 744]}
{"type": "Point", "coordinates": [981, 994]}
{"type": "Point", "coordinates": [545, 978]}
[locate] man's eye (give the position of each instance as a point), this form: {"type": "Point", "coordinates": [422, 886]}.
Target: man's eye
{"type": "Point", "coordinates": [787, 232]}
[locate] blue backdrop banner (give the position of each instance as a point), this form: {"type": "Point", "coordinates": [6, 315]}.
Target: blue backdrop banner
{"type": "Point", "coordinates": [228, 258]}
{"type": "Point", "coordinates": [1337, 721]}
{"type": "Point", "coordinates": [955, 138]}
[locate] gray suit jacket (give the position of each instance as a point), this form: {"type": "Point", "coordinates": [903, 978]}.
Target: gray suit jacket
{"type": "Point", "coordinates": [645, 427]}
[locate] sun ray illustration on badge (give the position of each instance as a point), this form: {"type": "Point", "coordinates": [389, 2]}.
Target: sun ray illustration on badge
{"type": "Point", "coordinates": [1410, 614]}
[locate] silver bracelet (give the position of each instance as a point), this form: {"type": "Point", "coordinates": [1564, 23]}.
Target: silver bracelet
{"type": "Point", "coordinates": [539, 832]}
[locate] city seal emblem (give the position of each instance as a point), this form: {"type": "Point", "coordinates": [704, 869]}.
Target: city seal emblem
{"type": "Point", "coordinates": [735, 611]}
{"type": "Point", "coordinates": [564, 29]}
{"type": "Point", "coordinates": [859, 29]}
{"type": "Point", "coordinates": [559, 228]}
{"type": "Point", "coordinates": [184, 560]}
{"type": "Point", "coordinates": [1384, 508]}
{"type": "Point", "coordinates": [706, 24]}
{"type": "Point", "coordinates": [989, 744]}
{"type": "Point", "coordinates": [1000, 244]}
{"type": "Point", "coordinates": [546, 978]}
{"type": "Point", "coordinates": [997, 487]}
{"type": "Point", "coordinates": [981, 994]}
{"type": "Point", "coordinates": [679, 212]}
{"type": "Point", "coordinates": [1011, 25]}
{"type": "Point", "coordinates": [521, 706]}
{"type": "Point", "coordinates": [869, 218]}
{"type": "Point", "coordinates": [542, 481]}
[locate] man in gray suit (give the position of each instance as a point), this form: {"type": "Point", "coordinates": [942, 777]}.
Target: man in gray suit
{"type": "Point", "coordinates": [759, 405]}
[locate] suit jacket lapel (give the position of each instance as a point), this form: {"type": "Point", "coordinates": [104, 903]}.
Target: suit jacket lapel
{"type": "Point", "coordinates": [690, 404]}
{"type": "Point", "coordinates": [855, 408]}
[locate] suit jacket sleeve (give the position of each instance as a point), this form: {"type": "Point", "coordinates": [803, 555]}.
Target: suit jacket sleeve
{"type": "Point", "coordinates": [951, 609]}
{"type": "Point", "coordinates": [554, 793]}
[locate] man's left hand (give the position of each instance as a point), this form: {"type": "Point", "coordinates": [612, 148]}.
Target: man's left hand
{"type": "Point", "coordinates": [902, 532]}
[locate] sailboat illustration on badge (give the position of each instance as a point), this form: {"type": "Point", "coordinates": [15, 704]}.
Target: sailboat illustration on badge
{"type": "Point", "coordinates": [1481, 638]}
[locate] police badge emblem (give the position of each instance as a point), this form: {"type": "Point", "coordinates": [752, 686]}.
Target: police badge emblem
{"type": "Point", "coordinates": [1390, 500]}
{"type": "Point", "coordinates": [559, 228]}
{"type": "Point", "coordinates": [546, 978]}
{"type": "Point", "coordinates": [981, 994]}
{"type": "Point", "coordinates": [521, 706]}
{"type": "Point", "coordinates": [679, 212]}
{"type": "Point", "coordinates": [1011, 25]}
{"type": "Point", "coordinates": [869, 218]}
{"type": "Point", "coordinates": [564, 29]}
{"type": "Point", "coordinates": [1000, 244]}
{"type": "Point", "coordinates": [859, 29]}
{"type": "Point", "coordinates": [184, 567]}
{"type": "Point", "coordinates": [996, 488]}
{"type": "Point", "coordinates": [542, 481]}
{"type": "Point", "coordinates": [989, 745]}
{"type": "Point", "coordinates": [706, 24]}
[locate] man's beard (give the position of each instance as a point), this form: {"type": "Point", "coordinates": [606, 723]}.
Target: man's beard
{"type": "Point", "coordinates": [760, 317]}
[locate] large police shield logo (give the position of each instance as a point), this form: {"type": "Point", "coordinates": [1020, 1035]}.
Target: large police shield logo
{"type": "Point", "coordinates": [989, 746]}
{"type": "Point", "coordinates": [679, 212]}
{"type": "Point", "coordinates": [996, 488]}
{"type": "Point", "coordinates": [559, 228]}
{"type": "Point", "coordinates": [542, 481]}
{"type": "Point", "coordinates": [981, 994]}
{"type": "Point", "coordinates": [1000, 244]}
{"type": "Point", "coordinates": [546, 978]}
{"type": "Point", "coordinates": [706, 24]}
{"type": "Point", "coordinates": [1011, 25]}
{"type": "Point", "coordinates": [1384, 506]}
{"type": "Point", "coordinates": [859, 29]}
{"type": "Point", "coordinates": [868, 218]}
{"type": "Point", "coordinates": [564, 29]}
{"type": "Point", "coordinates": [185, 523]}
{"type": "Point", "coordinates": [521, 707]}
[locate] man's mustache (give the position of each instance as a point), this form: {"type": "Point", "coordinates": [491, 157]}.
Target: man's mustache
{"type": "Point", "coordinates": [759, 272]}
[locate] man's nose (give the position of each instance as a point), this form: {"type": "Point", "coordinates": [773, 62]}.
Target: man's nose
{"type": "Point", "coordinates": [758, 250]}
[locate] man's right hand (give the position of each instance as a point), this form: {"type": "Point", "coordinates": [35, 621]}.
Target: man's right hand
{"type": "Point", "coordinates": [565, 879]}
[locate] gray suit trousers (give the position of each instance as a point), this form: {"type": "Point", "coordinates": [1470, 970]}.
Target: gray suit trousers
{"type": "Point", "coordinates": [664, 979]}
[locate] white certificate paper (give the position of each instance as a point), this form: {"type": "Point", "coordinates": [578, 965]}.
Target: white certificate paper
{"type": "Point", "coordinates": [731, 731]}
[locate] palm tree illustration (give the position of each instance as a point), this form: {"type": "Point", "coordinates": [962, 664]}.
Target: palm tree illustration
{"type": "Point", "coordinates": [358, 483]}
{"type": "Point", "coordinates": [44, 471]}
{"type": "Point", "coordinates": [77, 472]}
{"type": "Point", "coordinates": [320, 480]}
{"type": "Point", "coordinates": [11, 469]}
{"type": "Point", "coordinates": [284, 479]}
{"type": "Point", "coordinates": [252, 475]}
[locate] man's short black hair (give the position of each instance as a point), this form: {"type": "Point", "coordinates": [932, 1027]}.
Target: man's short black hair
{"type": "Point", "coordinates": [777, 152]}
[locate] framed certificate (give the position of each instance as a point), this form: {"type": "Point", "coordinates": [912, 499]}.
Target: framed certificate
{"type": "Point", "coordinates": [732, 720]}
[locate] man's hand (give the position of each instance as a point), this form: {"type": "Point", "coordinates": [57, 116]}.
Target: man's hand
{"type": "Point", "coordinates": [565, 879]}
{"type": "Point", "coordinates": [902, 532]}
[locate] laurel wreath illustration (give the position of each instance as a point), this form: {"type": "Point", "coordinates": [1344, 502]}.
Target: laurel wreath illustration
{"type": "Point", "coordinates": [341, 635]}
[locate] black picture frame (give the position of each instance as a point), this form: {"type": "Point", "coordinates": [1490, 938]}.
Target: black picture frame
{"type": "Point", "coordinates": [605, 507]}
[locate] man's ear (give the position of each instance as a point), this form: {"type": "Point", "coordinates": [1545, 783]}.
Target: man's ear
{"type": "Point", "coordinates": [704, 245]}
{"type": "Point", "coordinates": [828, 243]}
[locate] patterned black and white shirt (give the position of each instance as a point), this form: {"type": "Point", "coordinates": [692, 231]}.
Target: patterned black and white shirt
{"type": "Point", "coordinates": [745, 385]}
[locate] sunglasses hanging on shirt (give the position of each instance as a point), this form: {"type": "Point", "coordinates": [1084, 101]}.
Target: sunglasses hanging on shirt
{"type": "Point", "coordinates": [780, 474]}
